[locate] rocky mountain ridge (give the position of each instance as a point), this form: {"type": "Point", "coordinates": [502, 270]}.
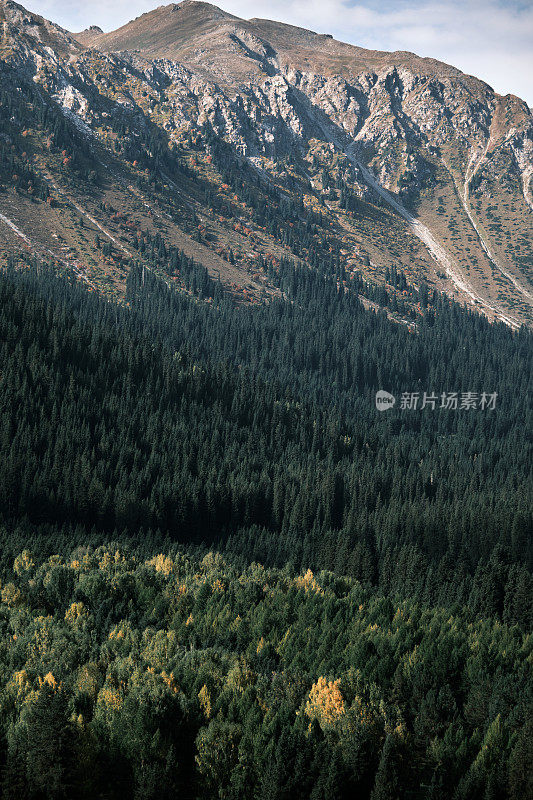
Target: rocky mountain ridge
{"type": "Point", "coordinates": [412, 164]}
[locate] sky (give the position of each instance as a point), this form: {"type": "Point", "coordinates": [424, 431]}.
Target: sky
{"type": "Point", "coordinates": [491, 39]}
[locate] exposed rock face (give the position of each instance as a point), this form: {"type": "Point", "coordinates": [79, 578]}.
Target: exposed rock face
{"type": "Point", "coordinates": [438, 140]}
{"type": "Point", "coordinates": [89, 35]}
{"type": "Point", "coordinates": [286, 76]}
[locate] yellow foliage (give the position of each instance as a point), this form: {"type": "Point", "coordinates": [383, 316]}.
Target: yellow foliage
{"type": "Point", "coordinates": [76, 613]}
{"type": "Point", "coordinates": [110, 697]}
{"type": "Point", "coordinates": [163, 564]}
{"type": "Point", "coordinates": [11, 595]}
{"type": "Point", "coordinates": [190, 620]}
{"type": "Point", "coordinates": [178, 590]}
{"type": "Point", "coordinates": [19, 684]}
{"type": "Point", "coordinates": [23, 563]}
{"type": "Point", "coordinates": [87, 680]}
{"type": "Point", "coordinates": [117, 634]}
{"type": "Point", "coordinates": [49, 680]}
{"type": "Point", "coordinates": [20, 678]}
{"type": "Point", "coordinates": [170, 681]}
{"type": "Point", "coordinates": [106, 561]}
{"type": "Point", "coordinates": [308, 582]}
{"type": "Point", "coordinates": [218, 586]}
{"type": "Point", "coordinates": [110, 560]}
{"type": "Point", "coordinates": [87, 562]}
{"type": "Point", "coordinates": [326, 703]}
{"type": "Point", "coordinates": [205, 701]}
{"type": "Point", "coordinates": [236, 623]}
{"type": "Point", "coordinates": [260, 645]}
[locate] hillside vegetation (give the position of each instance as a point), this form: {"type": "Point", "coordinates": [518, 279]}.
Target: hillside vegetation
{"type": "Point", "coordinates": [225, 574]}
{"type": "Point", "coordinates": [238, 140]}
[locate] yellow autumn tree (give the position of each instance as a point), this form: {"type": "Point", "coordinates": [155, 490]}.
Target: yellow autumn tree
{"type": "Point", "coordinates": [49, 680]}
{"type": "Point", "coordinates": [76, 613]}
{"type": "Point", "coordinates": [19, 685]}
{"type": "Point", "coordinates": [205, 701]}
{"type": "Point", "coordinates": [88, 680]}
{"type": "Point", "coordinates": [23, 563]}
{"type": "Point", "coordinates": [170, 681]}
{"type": "Point", "coordinates": [110, 697]}
{"type": "Point", "coordinates": [325, 703]}
{"type": "Point", "coordinates": [308, 582]}
{"type": "Point", "coordinates": [11, 595]}
{"type": "Point", "coordinates": [162, 563]}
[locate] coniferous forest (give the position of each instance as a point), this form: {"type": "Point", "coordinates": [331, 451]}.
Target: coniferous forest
{"type": "Point", "coordinates": [225, 574]}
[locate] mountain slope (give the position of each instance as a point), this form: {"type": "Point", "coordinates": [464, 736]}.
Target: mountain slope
{"type": "Point", "coordinates": [390, 162]}
{"type": "Point", "coordinates": [178, 31]}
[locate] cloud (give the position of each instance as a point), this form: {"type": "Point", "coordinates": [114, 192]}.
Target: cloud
{"type": "Point", "coordinates": [75, 16]}
{"type": "Point", "coordinates": [487, 38]}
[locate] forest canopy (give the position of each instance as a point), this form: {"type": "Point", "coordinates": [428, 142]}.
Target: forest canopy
{"type": "Point", "coordinates": [224, 574]}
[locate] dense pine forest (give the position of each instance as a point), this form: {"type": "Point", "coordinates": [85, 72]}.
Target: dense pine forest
{"type": "Point", "coordinates": [225, 574]}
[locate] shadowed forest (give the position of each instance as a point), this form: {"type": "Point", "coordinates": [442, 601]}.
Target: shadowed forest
{"type": "Point", "coordinates": [224, 574]}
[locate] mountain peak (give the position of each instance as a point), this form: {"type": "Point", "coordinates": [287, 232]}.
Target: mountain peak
{"type": "Point", "coordinates": [32, 32]}
{"type": "Point", "coordinates": [89, 35]}
{"type": "Point", "coordinates": [346, 131]}
{"type": "Point", "coordinates": [197, 5]}
{"type": "Point", "coordinates": [165, 32]}
{"type": "Point", "coordinates": [194, 7]}
{"type": "Point", "coordinates": [229, 49]}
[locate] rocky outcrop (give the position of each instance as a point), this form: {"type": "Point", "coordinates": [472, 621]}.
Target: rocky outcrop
{"type": "Point", "coordinates": [427, 133]}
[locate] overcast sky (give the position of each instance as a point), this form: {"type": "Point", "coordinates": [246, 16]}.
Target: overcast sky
{"type": "Point", "coordinates": [492, 39]}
